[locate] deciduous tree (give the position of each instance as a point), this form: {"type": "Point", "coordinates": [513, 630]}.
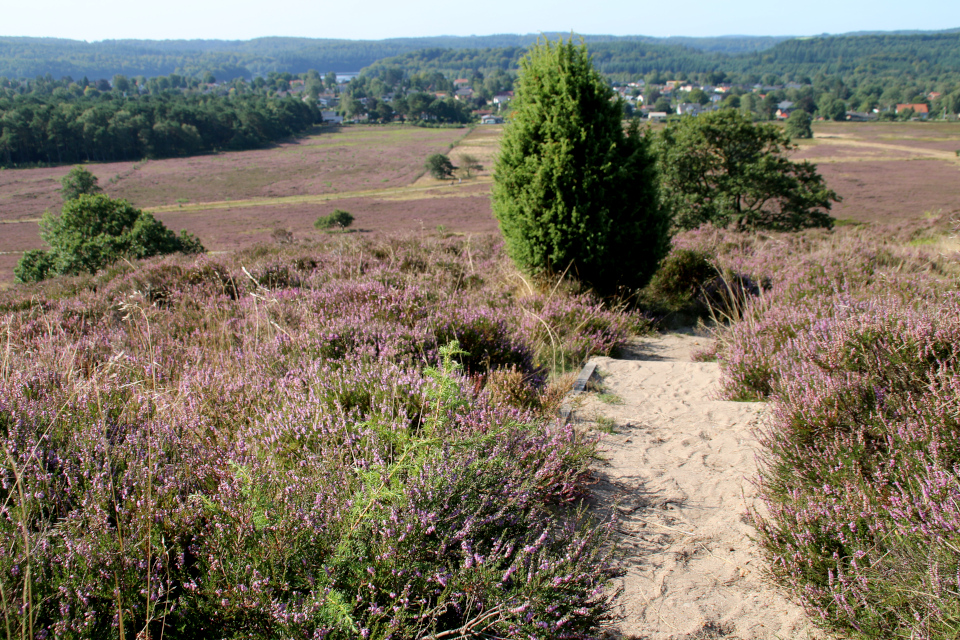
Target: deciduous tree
{"type": "Point", "coordinates": [440, 166]}
{"type": "Point", "coordinates": [722, 169]}
{"type": "Point", "coordinates": [798, 125]}
{"type": "Point", "coordinates": [78, 181]}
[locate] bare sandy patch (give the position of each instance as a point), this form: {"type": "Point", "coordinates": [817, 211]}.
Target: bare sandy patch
{"type": "Point", "coordinates": [678, 466]}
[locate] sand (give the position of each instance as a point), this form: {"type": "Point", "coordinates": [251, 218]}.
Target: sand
{"type": "Point", "coordinates": [678, 465]}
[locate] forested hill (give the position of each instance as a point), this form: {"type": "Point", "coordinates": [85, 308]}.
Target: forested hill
{"type": "Point", "coordinates": [228, 59]}
{"type": "Point", "coordinates": [913, 54]}
{"type": "Point", "coordinates": [928, 56]}
{"type": "Point", "coordinates": [920, 54]}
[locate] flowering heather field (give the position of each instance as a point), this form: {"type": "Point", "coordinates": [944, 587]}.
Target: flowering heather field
{"type": "Point", "coordinates": [856, 341]}
{"type": "Point", "coordinates": [280, 444]}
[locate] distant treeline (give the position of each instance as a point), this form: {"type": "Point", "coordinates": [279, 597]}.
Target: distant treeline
{"type": "Point", "coordinates": [37, 128]}
{"type": "Point", "coordinates": [229, 59]}
{"type": "Point", "coordinates": [933, 57]}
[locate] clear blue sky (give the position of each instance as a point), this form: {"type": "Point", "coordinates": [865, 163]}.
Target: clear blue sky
{"type": "Point", "coordinates": [374, 19]}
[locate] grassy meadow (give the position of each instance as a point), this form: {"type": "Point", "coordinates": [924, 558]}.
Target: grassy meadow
{"type": "Point", "coordinates": [354, 435]}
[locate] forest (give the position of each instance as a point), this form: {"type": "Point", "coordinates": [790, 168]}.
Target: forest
{"type": "Point", "coordinates": [43, 126]}
{"type": "Point", "coordinates": [30, 57]}
{"type": "Point", "coordinates": [22, 57]}
{"type": "Point", "coordinates": [926, 58]}
{"type": "Point", "coordinates": [146, 113]}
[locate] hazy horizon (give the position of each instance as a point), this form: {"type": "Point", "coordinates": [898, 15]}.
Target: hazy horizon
{"type": "Point", "coordinates": [382, 19]}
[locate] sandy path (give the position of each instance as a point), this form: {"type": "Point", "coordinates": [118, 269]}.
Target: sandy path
{"type": "Point", "coordinates": [679, 463]}
{"type": "Point", "coordinates": [847, 140]}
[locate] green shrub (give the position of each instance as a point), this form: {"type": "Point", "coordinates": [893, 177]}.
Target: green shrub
{"type": "Point", "coordinates": [571, 189]}
{"type": "Point", "coordinates": [339, 219]}
{"type": "Point", "coordinates": [682, 275]}
{"type": "Point", "coordinates": [78, 182]}
{"type": "Point", "coordinates": [93, 231]}
{"type": "Point", "coordinates": [34, 266]}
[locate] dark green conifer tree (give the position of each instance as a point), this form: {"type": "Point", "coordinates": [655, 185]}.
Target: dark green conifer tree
{"type": "Point", "coordinates": [572, 188]}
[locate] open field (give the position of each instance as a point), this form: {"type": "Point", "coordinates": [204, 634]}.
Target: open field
{"type": "Point", "coordinates": [234, 200]}
{"type": "Point", "coordinates": [885, 172]}
{"type": "Point", "coordinates": [888, 172]}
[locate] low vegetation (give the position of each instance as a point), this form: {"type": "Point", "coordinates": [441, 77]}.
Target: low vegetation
{"type": "Point", "coordinates": [855, 343]}
{"type": "Point", "coordinates": [299, 442]}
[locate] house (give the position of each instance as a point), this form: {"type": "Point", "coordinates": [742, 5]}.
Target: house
{"type": "Point", "coordinates": [860, 116]}
{"type": "Point", "coordinates": [461, 82]}
{"type": "Point", "coordinates": [689, 109]}
{"type": "Point", "coordinates": [503, 98]}
{"type": "Point", "coordinates": [786, 105]}
{"type": "Point", "coordinates": [783, 114]}
{"type": "Point", "coordinates": [331, 116]}
{"type": "Point", "coordinates": [464, 94]}
{"type": "Point", "coordinates": [657, 116]}
{"type": "Point", "coordinates": [715, 98]}
{"type": "Point", "coordinates": [491, 119]}
{"type": "Point", "coordinates": [919, 108]}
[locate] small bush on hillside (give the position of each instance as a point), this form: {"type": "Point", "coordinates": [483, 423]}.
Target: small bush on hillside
{"type": "Point", "coordinates": [682, 275]}
{"type": "Point", "coordinates": [339, 219]}
{"type": "Point", "coordinates": [78, 182]}
{"type": "Point", "coordinates": [93, 231]}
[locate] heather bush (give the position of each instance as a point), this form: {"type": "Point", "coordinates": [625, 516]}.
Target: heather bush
{"type": "Point", "coordinates": [296, 442]}
{"type": "Point", "coordinates": [857, 345]}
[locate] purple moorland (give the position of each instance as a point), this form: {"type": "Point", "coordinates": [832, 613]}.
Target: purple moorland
{"type": "Point", "coordinates": [298, 443]}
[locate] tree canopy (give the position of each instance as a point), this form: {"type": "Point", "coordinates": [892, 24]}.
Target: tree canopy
{"type": "Point", "coordinates": [723, 169]}
{"type": "Point", "coordinates": [440, 166]}
{"type": "Point", "coordinates": [62, 128]}
{"type": "Point", "coordinates": [571, 188]}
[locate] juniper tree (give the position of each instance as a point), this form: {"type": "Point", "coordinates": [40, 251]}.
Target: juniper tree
{"type": "Point", "coordinates": [571, 187]}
